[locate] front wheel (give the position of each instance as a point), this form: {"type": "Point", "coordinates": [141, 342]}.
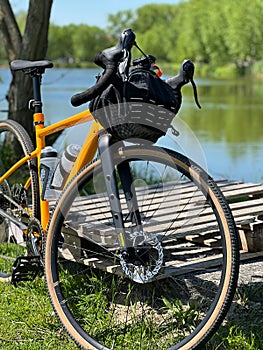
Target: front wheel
{"type": "Point", "coordinates": [189, 242]}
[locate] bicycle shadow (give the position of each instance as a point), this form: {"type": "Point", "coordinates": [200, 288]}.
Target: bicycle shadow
{"type": "Point", "coordinates": [244, 320]}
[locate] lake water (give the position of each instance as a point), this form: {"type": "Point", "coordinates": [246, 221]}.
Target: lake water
{"type": "Point", "coordinates": [225, 136]}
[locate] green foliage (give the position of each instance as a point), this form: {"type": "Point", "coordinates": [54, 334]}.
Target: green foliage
{"type": "Point", "coordinates": [21, 21]}
{"type": "Point", "coordinates": [76, 43]}
{"type": "Point", "coordinates": [215, 32]}
{"type": "Point", "coordinates": [120, 20]}
{"type": "Point", "coordinates": [219, 33]}
{"type": "Point", "coordinates": [257, 69]}
{"type": "Point", "coordinates": [60, 43]}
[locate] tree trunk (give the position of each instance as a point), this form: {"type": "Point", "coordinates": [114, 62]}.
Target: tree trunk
{"type": "Point", "coordinates": [20, 92]}
{"type": "Point", "coordinates": [31, 46]}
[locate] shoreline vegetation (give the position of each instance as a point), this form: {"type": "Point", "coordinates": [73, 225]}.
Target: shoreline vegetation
{"type": "Point", "coordinates": [223, 39]}
{"type": "Point", "coordinates": [229, 71]}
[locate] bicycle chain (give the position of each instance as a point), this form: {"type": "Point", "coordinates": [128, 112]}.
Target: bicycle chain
{"type": "Point", "coordinates": [34, 238]}
{"type": "Point", "coordinates": [143, 274]}
{"type": "Point", "coordinates": [15, 204]}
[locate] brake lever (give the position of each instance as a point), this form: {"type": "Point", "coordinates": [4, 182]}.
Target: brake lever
{"type": "Point", "coordinates": [187, 70]}
{"type": "Point", "coordinates": [126, 40]}
{"type": "Point", "coordinates": [121, 52]}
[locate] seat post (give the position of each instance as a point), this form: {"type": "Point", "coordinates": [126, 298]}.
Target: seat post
{"type": "Point", "coordinates": [36, 104]}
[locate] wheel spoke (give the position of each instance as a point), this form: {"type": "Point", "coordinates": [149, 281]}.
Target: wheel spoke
{"type": "Point", "coordinates": [169, 289]}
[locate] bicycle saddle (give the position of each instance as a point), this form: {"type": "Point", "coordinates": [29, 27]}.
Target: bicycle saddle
{"type": "Point", "coordinates": [24, 64]}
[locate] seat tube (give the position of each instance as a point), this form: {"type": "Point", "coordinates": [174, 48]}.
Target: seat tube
{"type": "Point", "coordinates": [40, 143]}
{"type": "Point", "coordinates": [39, 122]}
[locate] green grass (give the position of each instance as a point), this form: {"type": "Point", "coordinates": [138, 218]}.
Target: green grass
{"type": "Point", "coordinates": [29, 323]}
{"type": "Point", "coordinates": [27, 319]}
{"type": "Point", "coordinates": [243, 327]}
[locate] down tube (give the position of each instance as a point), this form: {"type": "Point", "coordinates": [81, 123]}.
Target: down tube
{"type": "Point", "coordinates": [88, 150]}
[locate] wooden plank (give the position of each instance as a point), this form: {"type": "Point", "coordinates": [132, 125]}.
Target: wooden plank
{"type": "Point", "coordinates": [185, 212]}
{"type": "Point", "coordinates": [173, 196]}
{"type": "Point", "coordinates": [191, 241]}
{"type": "Point", "coordinates": [190, 206]}
{"type": "Point", "coordinates": [190, 221]}
{"type": "Point", "coordinates": [252, 207]}
{"type": "Point", "coordinates": [197, 267]}
{"type": "Point", "coordinates": [205, 263]}
{"type": "Point", "coordinates": [246, 190]}
{"type": "Point", "coordinates": [195, 222]}
{"type": "Point", "coordinates": [234, 186]}
{"type": "Point", "coordinates": [107, 266]}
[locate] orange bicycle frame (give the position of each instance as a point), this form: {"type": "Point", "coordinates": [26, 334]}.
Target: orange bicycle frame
{"type": "Point", "coordinates": [86, 154]}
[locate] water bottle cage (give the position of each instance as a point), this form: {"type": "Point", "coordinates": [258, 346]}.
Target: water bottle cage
{"type": "Point", "coordinates": [45, 180]}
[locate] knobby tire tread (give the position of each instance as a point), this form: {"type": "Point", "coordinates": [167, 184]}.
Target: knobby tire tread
{"type": "Point", "coordinates": [233, 238]}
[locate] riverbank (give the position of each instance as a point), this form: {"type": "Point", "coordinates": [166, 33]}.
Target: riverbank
{"type": "Point", "coordinates": [228, 71]}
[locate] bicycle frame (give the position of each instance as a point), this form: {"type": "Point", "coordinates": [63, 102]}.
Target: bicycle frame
{"type": "Point", "coordinates": [86, 154]}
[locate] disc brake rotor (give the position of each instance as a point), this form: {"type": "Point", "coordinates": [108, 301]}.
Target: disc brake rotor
{"type": "Point", "coordinates": [144, 259]}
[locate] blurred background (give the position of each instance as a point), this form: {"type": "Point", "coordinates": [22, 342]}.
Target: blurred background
{"type": "Point", "coordinates": [223, 39]}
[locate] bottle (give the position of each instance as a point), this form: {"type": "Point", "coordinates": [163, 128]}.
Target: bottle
{"type": "Point", "coordinates": [48, 162]}
{"type": "Point", "coordinates": [65, 166]}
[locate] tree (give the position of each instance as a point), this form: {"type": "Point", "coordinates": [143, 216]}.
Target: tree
{"type": "Point", "coordinates": [87, 41]}
{"type": "Point", "coordinates": [120, 21]}
{"type": "Point", "coordinates": [152, 25]}
{"type": "Point", "coordinates": [60, 42]}
{"type": "Point", "coordinates": [31, 45]}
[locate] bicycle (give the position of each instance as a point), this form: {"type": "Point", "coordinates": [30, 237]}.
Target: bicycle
{"type": "Point", "coordinates": [115, 239]}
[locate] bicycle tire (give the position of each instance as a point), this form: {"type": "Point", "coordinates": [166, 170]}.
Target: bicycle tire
{"type": "Point", "coordinates": [182, 306]}
{"type": "Point", "coordinates": [16, 143]}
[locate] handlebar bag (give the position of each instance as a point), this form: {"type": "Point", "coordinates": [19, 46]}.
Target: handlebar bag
{"type": "Point", "coordinates": [141, 106]}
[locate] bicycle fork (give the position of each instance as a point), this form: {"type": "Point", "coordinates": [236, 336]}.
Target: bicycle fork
{"type": "Point", "coordinates": [106, 150]}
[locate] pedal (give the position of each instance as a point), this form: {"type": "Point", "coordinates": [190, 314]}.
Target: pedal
{"type": "Point", "coordinates": [25, 268]}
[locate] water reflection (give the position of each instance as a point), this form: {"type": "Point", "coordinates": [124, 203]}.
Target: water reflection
{"type": "Point", "coordinates": [229, 126]}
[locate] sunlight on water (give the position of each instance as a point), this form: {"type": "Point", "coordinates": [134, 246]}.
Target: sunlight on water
{"type": "Point", "coordinates": [227, 133]}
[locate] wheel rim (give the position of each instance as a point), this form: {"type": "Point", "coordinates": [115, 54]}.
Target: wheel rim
{"type": "Point", "coordinates": [172, 312]}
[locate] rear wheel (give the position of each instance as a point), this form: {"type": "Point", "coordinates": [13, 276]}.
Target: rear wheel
{"type": "Point", "coordinates": [176, 289]}
{"type": "Point", "coordinates": [19, 199]}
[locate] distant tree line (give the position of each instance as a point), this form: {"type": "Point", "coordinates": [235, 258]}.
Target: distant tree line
{"type": "Point", "coordinates": [207, 31]}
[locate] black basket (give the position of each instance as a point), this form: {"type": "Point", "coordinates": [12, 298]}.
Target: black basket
{"type": "Point", "coordinates": [134, 120]}
{"type": "Point", "coordinates": [142, 107]}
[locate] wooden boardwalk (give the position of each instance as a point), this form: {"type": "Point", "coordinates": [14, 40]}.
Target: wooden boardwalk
{"type": "Point", "coordinates": [246, 203]}
{"type": "Point", "coordinates": [196, 245]}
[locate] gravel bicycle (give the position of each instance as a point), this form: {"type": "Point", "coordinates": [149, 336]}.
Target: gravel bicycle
{"type": "Point", "coordinates": [118, 267]}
